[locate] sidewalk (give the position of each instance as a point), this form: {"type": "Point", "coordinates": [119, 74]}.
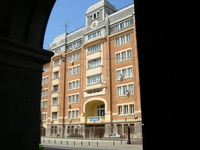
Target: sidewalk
{"type": "Point", "coordinates": [97, 143]}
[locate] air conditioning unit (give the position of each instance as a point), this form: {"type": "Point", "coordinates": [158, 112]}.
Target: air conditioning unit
{"type": "Point", "coordinates": [135, 116]}
{"type": "Point", "coordinates": [98, 80]}
{"type": "Point", "coordinates": [120, 77]}
{"type": "Point", "coordinates": [127, 93]}
{"type": "Point", "coordinates": [72, 62]}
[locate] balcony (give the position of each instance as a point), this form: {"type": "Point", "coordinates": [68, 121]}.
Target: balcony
{"type": "Point", "coordinates": [95, 70]}
{"type": "Point", "coordinates": [94, 86]}
{"type": "Point", "coordinates": [96, 119]}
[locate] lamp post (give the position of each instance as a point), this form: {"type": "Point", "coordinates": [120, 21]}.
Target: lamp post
{"type": "Point", "coordinates": [94, 128]}
{"type": "Point", "coordinates": [70, 120]}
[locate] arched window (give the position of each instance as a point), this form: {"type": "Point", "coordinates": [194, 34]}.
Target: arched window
{"type": "Point", "coordinates": [101, 110]}
{"type": "Point", "coordinates": [98, 14]}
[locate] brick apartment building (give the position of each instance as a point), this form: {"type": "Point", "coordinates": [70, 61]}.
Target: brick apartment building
{"type": "Point", "coordinates": [93, 79]}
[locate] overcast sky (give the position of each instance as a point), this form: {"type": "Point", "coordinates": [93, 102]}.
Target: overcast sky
{"type": "Point", "coordinates": [71, 12]}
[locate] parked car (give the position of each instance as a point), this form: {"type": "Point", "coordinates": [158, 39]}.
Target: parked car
{"type": "Point", "coordinates": [115, 135]}
{"type": "Point", "coordinates": [75, 135]}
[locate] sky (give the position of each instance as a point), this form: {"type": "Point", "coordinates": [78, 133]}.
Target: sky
{"type": "Point", "coordinates": [72, 13]}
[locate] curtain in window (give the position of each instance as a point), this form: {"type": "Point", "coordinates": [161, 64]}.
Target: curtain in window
{"type": "Point", "coordinates": [94, 79]}
{"type": "Point", "coordinates": [70, 99]}
{"type": "Point", "coordinates": [124, 73]}
{"type": "Point", "coordinates": [120, 110]}
{"type": "Point", "coordinates": [76, 113]}
{"type": "Point", "coordinates": [130, 72]}
{"type": "Point", "coordinates": [117, 42]}
{"type": "Point", "coordinates": [124, 89]}
{"type": "Point", "coordinates": [119, 91]}
{"type": "Point", "coordinates": [129, 54]}
{"type": "Point", "coordinates": [123, 39]}
{"type": "Point", "coordinates": [118, 57]}
{"type": "Point", "coordinates": [123, 55]}
{"type": "Point", "coordinates": [127, 23]}
{"type": "Point", "coordinates": [70, 85]}
{"type": "Point", "coordinates": [70, 71]}
{"type": "Point", "coordinates": [131, 89]}
{"type": "Point", "coordinates": [131, 109]}
{"type": "Point", "coordinates": [77, 97]}
{"type": "Point", "coordinates": [128, 38]}
{"type": "Point", "coordinates": [118, 74]}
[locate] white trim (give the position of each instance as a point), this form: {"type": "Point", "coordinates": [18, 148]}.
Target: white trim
{"type": "Point", "coordinates": [73, 40]}
{"type": "Point", "coordinates": [121, 10]}
{"type": "Point", "coordinates": [118, 21]}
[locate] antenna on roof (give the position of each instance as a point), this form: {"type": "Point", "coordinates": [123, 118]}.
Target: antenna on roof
{"type": "Point", "coordinates": [65, 26]}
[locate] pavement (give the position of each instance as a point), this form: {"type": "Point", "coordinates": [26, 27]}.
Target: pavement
{"type": "Point", "coordinates": [91, 143]}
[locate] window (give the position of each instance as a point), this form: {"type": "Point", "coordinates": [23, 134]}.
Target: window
{"type": "Point", "coordinates": [129, 54]}
{"type": "Point", "coordinates": [73, 114]}
{"type": "Point", "coordinates": [122, 40]}
{"type": "Point", "coordinates": [76, 114]}
{"type": "Point", "coordinates": [54, 115]}
{"type": "Point", "coordinates": [94, 48]}
{"type": "Point", "coordinates": [55, 101]}
{"type": "Point", "coordinates": [56, 75]}
{"type": "Point", "coordinates": [125, 90]}
{"type": "Point", "coordinates": [124, 73]}
{"type": "Point", "coordinates": [131, 109]}
{"type": "Point", "coordinates": [75, 45]}
{"type": "Point", "coordinates": [101, 110]}
{"type": "Point", "coordinates": [120, 110]}
{"type": "Point", "coordinates": [74, 57]}
{"type": "Point", "coordinates": [56, 62]}
{"type": "Point", "coordinates": [94, 79]}
{"type": "Point", "coordinates": [98, 14]}
{"type": "Point", "coordinates": [74, 85]}
{"type": "Point", "coordinates": [119, 91]}
{"type": "Point", "coordinates": [94, 63]}
{"type": "Point", "coordinates": [43, 117]}
{"type": "Point", "coordinates": [73, 98]}
{"type": "Point", "coordinates": [45, 68]}
{"type": "Point", "coordinates": [126, 109]}
{"type": "Point", "coordinates": [44, 104]}
{"type": "Point", "coordinates": [94, 34]}
{"type": "Point", "coordinates": [118, 57]}
{"type": "Point", "coordinates": [57, 51]}
{"type": "Point", "coordinates": [74, 70]}
{"type": "Point", "coordinates": [55, 88]}
{"type": "Point", "coordinates": [45, 80]}
{"type": "Point", "coordinates": [123, 55]}
{"type": "Point", "coordinates": [122, 25]}
{"type": "Point", "coordinates": [44, 92]}
{"type": "Point", "coordinates": [117, 41]}
{"type": "Point", "coordinates": [127, 23]}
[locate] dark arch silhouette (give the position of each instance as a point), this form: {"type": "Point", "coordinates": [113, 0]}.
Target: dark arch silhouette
{"type": "Point", "coordinates": [22, 28]}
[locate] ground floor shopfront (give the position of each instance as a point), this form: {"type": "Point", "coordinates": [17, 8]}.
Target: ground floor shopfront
{"type": "Point", "coordinates": [94, 130]}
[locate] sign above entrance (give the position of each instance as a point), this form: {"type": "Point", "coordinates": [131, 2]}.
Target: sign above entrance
{"type": "Point", "coordinates": [94, 119]}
